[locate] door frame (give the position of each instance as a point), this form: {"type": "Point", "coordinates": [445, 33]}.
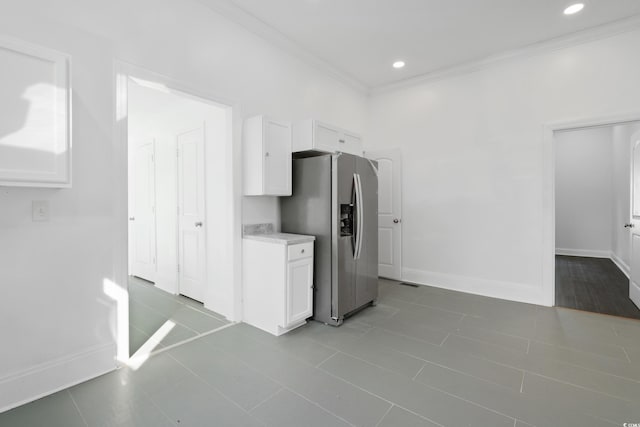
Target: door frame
{"type": "Point", "coordinates": [224, 285]}
{"type": "Point", "coordinates": [548, 296]}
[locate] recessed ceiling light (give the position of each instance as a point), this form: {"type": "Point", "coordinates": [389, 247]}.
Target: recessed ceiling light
{"type": "Point", "coordinates": [398, 64]}
{"type": "Point", "coordinates": [574, 8]}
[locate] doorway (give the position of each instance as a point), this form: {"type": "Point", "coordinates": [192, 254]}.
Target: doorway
{"type": "Point", "coordinates": [593, 218]}
{"type": "Point", "coordinates": [389, 211]}
{"type": "Point", "coordinates": [174, 259]}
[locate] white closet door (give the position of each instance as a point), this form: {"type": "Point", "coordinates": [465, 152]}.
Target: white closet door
{"type": "Point", "coordinates": [143, 216]}
{"type": "Point", "coordinates": [389, 212]}
{"type": "Point", "coordinates": [191, 214]}
{"type": "Point", "coordinates": [634, 279]}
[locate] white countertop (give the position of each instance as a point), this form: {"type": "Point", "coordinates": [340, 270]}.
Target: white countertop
{"type": "Point", "coordinates": [281, 238]}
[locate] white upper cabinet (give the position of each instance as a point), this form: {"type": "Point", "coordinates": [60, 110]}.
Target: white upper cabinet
{"type": "Point", "coordinates": [323, 137]}
{"type": "Point", "coordinates": [267, 157]}
{"type": "Point", "coordinates": [35, 118]}
{"type": "Point", "coordinates": [350, 143]}
{"type": "Point", "coordinates": [318, 136]}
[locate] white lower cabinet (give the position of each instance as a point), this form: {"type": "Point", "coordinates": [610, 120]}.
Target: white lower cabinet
{"type": "Point", "coordinates": [277, 279]}
{"type": "Point", "coordinates": [299, 290]}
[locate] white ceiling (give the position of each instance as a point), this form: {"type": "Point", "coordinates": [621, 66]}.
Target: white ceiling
{"type": "Point", "coordinates": [361, 38]}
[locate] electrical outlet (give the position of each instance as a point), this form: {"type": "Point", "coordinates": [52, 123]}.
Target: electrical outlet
{"type": "Point", "coordinates": [40, 211]}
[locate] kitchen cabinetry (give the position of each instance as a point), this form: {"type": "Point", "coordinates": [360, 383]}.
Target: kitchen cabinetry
{"type": "Point", "coordinates": [318, 136]}
{"type": "Point", "coordinates": [277, 279]}
{"type": "Point", "coordinates": [267, 157]}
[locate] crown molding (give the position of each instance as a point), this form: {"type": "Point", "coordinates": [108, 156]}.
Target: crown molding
{"type": "Point", "coordinates": [558, 43]}
{"type": "Point", "coordinates": [230, 10]}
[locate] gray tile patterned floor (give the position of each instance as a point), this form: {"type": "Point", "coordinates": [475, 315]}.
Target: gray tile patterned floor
{"type": "Point", "coordinates": [150, 308]}
{"type": "Point", "coordinates": [422, 357]}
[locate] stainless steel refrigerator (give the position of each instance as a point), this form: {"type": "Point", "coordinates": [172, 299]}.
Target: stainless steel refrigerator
{"type": "Point", "coordinates": [335, 198]}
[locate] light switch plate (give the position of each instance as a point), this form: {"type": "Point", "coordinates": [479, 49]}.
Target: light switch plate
{"type": "Point", "coordinates": [40, 211]}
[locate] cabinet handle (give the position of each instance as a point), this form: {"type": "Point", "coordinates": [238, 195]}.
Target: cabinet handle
{"type": "Point", "coordinates": [341, 141]}
{"type": "Point", "coordinates": [302, 251]}
{"type": "Point", "coordinates": [266, 154]}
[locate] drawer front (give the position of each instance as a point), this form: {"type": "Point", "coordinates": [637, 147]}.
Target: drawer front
{"type": "Point", "coordinates": [299, 251]}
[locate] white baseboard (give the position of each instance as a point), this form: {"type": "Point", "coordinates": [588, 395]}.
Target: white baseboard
{"type": "Point", "coordinates": [504, 290]}
{"type": "Point", "coordinates": [25, 386]}
{"type": "Point", "coordinates": [634, 294]}
{"type": "Point", "coordinates": [589, 253]}
{"type": "Point", "coordinates": [511, 291]}
{"type": "Point", "coordinates": [623, 266]}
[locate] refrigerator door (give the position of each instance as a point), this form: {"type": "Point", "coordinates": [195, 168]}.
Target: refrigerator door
{"type": "Point", "coordinates": [366, 274]}
{"type": "Point", "coordinates": [310, 210]}
{"type": "Point", "coordinates": [343, 291]}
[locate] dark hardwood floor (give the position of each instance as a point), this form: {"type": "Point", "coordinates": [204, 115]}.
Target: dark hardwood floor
{"type": "Point", "coordinates": [593, 284]}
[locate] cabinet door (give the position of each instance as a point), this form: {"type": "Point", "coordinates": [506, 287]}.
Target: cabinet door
{"type": "Point", "coordinates": [299, 290]}
{"type": "Point", "coordinates": [277, 158]}
{"type": "Point", "coordinates": [349, 143]}
{"type": "Point", "coordinates": [325, 138]}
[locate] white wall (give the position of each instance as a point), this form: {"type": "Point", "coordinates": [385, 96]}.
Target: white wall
{"type": "Point", "coordinates": [584, 192]}
{"type": "Point", "coordinates": [62, 323]}
{"type": "Point", "coordinates": [474, 179]}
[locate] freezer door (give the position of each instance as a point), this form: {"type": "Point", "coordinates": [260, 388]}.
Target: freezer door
{"type": "Point", "coordinates": [343, 292]}
{"type": "Point", "coordinates": [366, 274]}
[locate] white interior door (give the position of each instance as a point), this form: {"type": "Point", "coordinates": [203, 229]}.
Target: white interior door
{"type": "Point", "coordinates": [191, 214]}
{"type": "Point", "coordinates": [634, 279]}
{"type": "Point", "coordinates": [142, 217]}
{"type": "Point", "coordinates": [389, 212]}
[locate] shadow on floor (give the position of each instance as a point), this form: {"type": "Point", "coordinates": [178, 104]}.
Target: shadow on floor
{"type": "Point", "coordinates": [151, 308]}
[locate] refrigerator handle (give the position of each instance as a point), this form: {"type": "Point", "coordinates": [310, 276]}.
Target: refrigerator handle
{"type": "Point", "coordinates": [360, 215]}
{"type": "Point", "coordinates": [361, 232]}
{"type": "Point", "coordinates": [356, 219]}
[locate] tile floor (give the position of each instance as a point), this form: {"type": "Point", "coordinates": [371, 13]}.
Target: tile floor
{"type": "Point", "coordinates": [593, 284]}
{"type": "Point", "coordinates": [422, 357]}
{"type": "Point", "coordinates": [150, 308]}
